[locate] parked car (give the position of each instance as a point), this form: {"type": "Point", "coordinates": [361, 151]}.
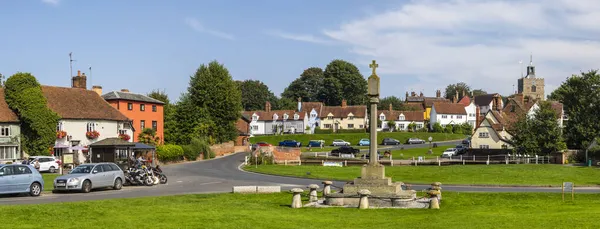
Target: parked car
{"type": "Point", "coordinates": [344, 150]}
{"type": "Point", "coordinates": [466, 142]}
{"type": "Point", "coordinates": [18, 178]}
{"type": "Point", "coordinates": [415, 141]}
{"type": "Point", "coordinates": [364, 142]}
{"type": "Point", "coordinates": [260, 144]}
{"type": "Point", "coordinates": [390, 141]}
{"type": "Point", "coordinates": [91, 176]}
{"type": "Point", "coordinates": [449, 152]}
{"type": "Point", "coordinates": [460, 149]}
{"type": "Point", "coordinates": [368, 156]}
{"type": "Point", "coordinates": [47, 163]}
{"type": "Point", "coordinates": [316, 143]}
{"type": "Point", "coordinates": [340, 142]}
{"type": "Point", "coordinates": [290, 143]}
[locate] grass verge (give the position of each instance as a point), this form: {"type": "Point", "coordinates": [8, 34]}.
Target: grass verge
{"type": "Point", "coordinates": [505, 175]}
{"type": "Point", "coordinates": [49, 181]}
{"type": "Point", "coordinates": [458, 210]}
{"type": "Point", "coordinates": [353, 138]}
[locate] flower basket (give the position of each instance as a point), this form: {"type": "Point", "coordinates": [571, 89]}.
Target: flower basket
{"type": "Point", "coordinates": [61, 134]}
{"type": "Point", "coordinates": [124, 137]}
{"type": "Point", "coordinates": [92, 134]}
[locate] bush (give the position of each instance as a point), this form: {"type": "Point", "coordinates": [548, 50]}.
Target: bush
{"type": "Point", "coordinates": [262, 159]}
{"type": "Point", "coordinates": [349, 131]}
{"type": "Point", "coordinates": [457, 129]}
{"type": "Point", "coordinates": [169, 153]}
{"type": "Point", "coordinates": [201, 146]}
{"type": "Point", "coordinates": [323, 131]}
{"type": "Point", "coordinates": [448, 129]}
{"type": "Point", "coordinates": [189, 153]}
{"type": "Point", "coordinates": [437, 128]}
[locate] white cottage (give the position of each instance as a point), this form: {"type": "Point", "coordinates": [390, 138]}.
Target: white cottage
{"type": "Point", "coordinates": [271, 122]}
{"type": "Point", "coordinates": [10, 131]}
{"type": "Point", "coordinates": [447, 114]}
{"type": "Point", "coordinates": [401, 119]}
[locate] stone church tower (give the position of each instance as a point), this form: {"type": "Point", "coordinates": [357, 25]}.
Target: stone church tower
{"type": "Point", "coordinates": [530, 85]}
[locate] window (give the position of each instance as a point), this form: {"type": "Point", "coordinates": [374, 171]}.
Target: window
{"type": "Point", "coordinates": [350, 126]}
{"type": "Point", "coordinates": [382, 117]}
{"type": "Point", "coordinates": [59, 126]}
{"type": "Point", "coordinates": [313, 115]}
{"type": "Point", "coordinates": [154, 125]}
{"type": "Point", "coordinates": [484, 135]}
{"type": "Point", "coordinates": [255, 127]}
{"type": "Point", "coordinates": [129, 106]}
{"type": "Point", "coordinates": [8, 170]}
{"type": "Point", "coordinates": [419, 126]}
{"type": "Point", "coordinates": [22, 170]}
{"type": "Point", "coordinates": [296, 116]}
{"type": "Point", "coordinates": [8, 152]}
{"type": "Point", "coordinates": [401, 126]}
{"type": "Point", "coordinates": [285, 116]}
{"type": "Point", "coordinates": [330, 117]}
{"type": "Point", "coordinates": [98, 169]}
{"type": "Point", "coordinates": [504, 146]}
{"type": "Point", "coordinates": [327, 126]}
{"type": "Point", "coordinates": [142, 124]}
{"type": "Point", "coordinates": [122, 155]}
{"type": "Point", "coordinates": [350, 117]}
{"type": "Point", "coordinates": [444, 116]}
{"type": "Point", "coordinates": [451, 116]}
{"type": "Point", "coordinates": [443, 125]}
{"type": "Point", "coordinates": [459, 116]}
{"type": "Point", "coordinates": [91, 126]}
{"type": "Point", "coordinates": [533, 88]}
{"type": "Point", "coordinates": [401, 117]}
{"type": "Point", "coordinates": [142, 107]}
{"type": "Point", "coordinates": [484, 146]}
{"type": "Point", "coordinates": [361, 126]}
{"type": "Point", "coordinates": [254, 118]}
{"type": "Point", "coordinates": [114, 167]}
{"type": "Point", "coordinates": [122, 131]}
{"type": "Point", "coordinates": [4, 131]}
{"type": "Point", "coordinates": [153, 108]}
{"type": "Point", "coordinates": [106, 168]}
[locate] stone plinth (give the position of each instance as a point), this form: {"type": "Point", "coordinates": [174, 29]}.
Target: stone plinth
{"type": "Point", "coordinates": [373, 179]}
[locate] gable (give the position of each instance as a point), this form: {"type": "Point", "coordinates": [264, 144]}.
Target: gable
{"type": "Point", "coordinates": [77, 103]}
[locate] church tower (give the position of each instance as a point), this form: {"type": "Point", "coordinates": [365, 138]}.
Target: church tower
{"type": "Point", "coordinates": [530, 85]}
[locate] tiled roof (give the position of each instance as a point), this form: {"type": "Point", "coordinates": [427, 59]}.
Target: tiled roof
{"type": "Point", "coordinates": [6, 114]}
{"type": "Point", "coordinates": [465, 101]}
{"type": "Point", "coordinates": [429, 101]}
{"type": "Point", "coordinates": [557, 107]}
{"type": "Point", "coordinates": [309, 106]}
{"type": "Point", "coordinates": [119, 95]}
{"type": "Point", "coordinates": [76, 103]}
{"type": "Point", "coordinates": [415, 106]}
{"type": "Point", "coordinates": [342, 112]}
{"type": "Point", "coordinates": [415, 99]}
{"type": "Point", "coordinates": [416, 116]}
{"type": "Point", "coordinates": [111, 142]}
{"type": "Point", "coordinates": [268, 116]}
{"type": "Point", "coordinates": [449, 108]}
{"type": "Point", "coordinates": [484, 100]}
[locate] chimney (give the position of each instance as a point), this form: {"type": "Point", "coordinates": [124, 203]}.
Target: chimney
{"type": "Point", "coordinates": [267, 106]}
{"type": "Point", "coordinates": [456, 96]}
{"type": "Point", "coordinates": [496, 103]}
{"type": "Point", "coordinates": [406, 98]}
{"type": "Point", "coordinates": [299, 104]}
{"type": "Point", "coordinates": [479, 118]}
{"type": "Point", "coordinates": [344, 103]}
{"type": "Point", "coordinates": [390, 107]}
{"type": "Point", "coordinates": [413, 94]}
{"type": "Point", "coordinates": [421, 95]}
{"type": "Point", "coordinates": [124, 90]}
{"type": "Point", "coordinates": [79, 81]}
{"type": "Point", "coordinates": [97, 89]}
{"type": "Point", "coordinates": [438, 94]}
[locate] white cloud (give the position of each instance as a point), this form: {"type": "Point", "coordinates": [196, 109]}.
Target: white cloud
{"type": "Point", "coordinates": [298, 37]}
{"type": "Point", "coordinates": [51, 2]}
{"type": "Point", "coordinates": [428, 44]}
{"type": "Point", "coordinates": [196, 25]}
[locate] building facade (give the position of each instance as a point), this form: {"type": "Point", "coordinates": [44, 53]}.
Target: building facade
{"type": "Point", "coordinates": [530, 85]}
{"type": "Point", "coordinates": [145, 112]}
{"type": "Point", "coordinates": [313, 111]}
{"type": "Point", "coordinates": [447, 114]}
{"type": "Point", "coordinates": [492, 133]}
{"type": "Point", "coordinates": [10, 132]}
{"type": "Point", "coordinates": [343, 117]}
{"type": "Point", "coordinates": [270, 122]}
{"type": "Point", "coordinates": [401, 119]}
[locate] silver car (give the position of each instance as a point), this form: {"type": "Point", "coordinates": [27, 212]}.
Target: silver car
{"type": "Point", "coordinates": [91, 176]}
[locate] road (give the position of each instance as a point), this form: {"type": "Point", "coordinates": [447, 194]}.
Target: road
{"type": "Point", "coordinates": [219, 176]}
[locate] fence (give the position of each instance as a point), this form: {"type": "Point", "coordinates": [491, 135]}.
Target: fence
{"type": "Point", "coordinates": [489, 159]}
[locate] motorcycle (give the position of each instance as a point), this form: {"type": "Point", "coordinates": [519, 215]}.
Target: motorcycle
{"type": "Point", "coordinates": [139, 176]}
{"type": "Point", "coordinates": [161, 176]}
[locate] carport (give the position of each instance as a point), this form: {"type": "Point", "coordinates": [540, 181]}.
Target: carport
{"type": "Point", "coordinates": [114, 150]}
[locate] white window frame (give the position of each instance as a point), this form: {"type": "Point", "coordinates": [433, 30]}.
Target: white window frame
{"type": "Point", "coordinates": [59, 126]}
{"type": "Point", "coordinates": [122, 131]}
{"type": "Point", "coordinates": [484, 146]}
{"type": "Point", "coordinates": [382, 117]}
{"type": "Point", "coordinates": [285, 116]}
{"type": "Point", "coordinates": [313, 115]}
{"type": "Point", "coordinates": [401, 117]}
{"type": "Point", "coordinates": [90, 126]}
{"type": "Point", "coordinates": [401, 126]}
{"type": "Point", "coordinates": [5, 131]}
{"type": "Point", "coordinates": [419, 126]}
{"type": "Point", "coordinates": [254, 117]}
{"type": "Point", "coordinates": [351, 117]}
{"type": "Point", "coordinates": [330, 117]}
{"type": "Point", "coordinates": [459, 116]}
{"type": "Point", "coordinates": [350, 126]}
{"type": "Point", "coordinates": [444, 116]}
{"type": "Point", "coordinates": [296, 116]}
{"type": "Point", "coordinates": [327, 126]}
{"type": "Point", "coordinates": [484, 135]}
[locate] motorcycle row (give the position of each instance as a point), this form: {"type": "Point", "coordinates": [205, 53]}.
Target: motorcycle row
{"type": "Point", "coordinates": [140, 174]}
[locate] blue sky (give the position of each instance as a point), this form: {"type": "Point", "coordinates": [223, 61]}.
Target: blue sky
{"type": "Point", "coordinates": [420, 45]}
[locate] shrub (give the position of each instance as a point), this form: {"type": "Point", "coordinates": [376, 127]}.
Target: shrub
{"type": "Point", "coordinates": [437, 128]}
{"type": "Point", "coordinates": [323, 131]}
{"type": "Point", "coordinates": [201, 146]}
{"type": "Point", "coordinates": [169, 153]}
{"type": "Point", "coordinates": [262, 159]}
{"type": "Point", "coordinates": [457, 129]}
{"type": "Point", "coordinates": [189, 153]}
{"type": "Point", "coordinates": [148, 136]}
{"type": "Point", "coordinates": [349, 131]}
{"type": "Point", "coordinates": [448, 129]}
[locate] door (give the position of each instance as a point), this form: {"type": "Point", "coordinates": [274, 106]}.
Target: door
{"type": "Point", "coordinates": [98, 177]}
{"type": "Point", "coordinates": [23, 178]}
{"type": "Point", "coordinates": [44, 164]}
{"type": "Point", "coordinates": [110, 174]}
{"type": "Point", "coordinates": [7, 184]}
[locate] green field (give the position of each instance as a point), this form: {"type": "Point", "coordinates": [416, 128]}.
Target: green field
{"type": "Point", "coordinates": [49, 181]}
{"type": "Point", "coordinates": [355, 137]}
{"type": "Point", "coordinates": [327, 149]}
{"type": "Point", "coordinates": [523, 175]}
{"type": "Point", "coordinates": [458, 210]}
{"type": "Point", "coordinates": [416, 152]}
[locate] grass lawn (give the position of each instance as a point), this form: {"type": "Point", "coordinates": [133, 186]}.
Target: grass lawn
{"type": "Point", "coordinates": [416, 152]}
{"type": "Point", "coordinates": [458, 210]}
{"type": "Point", "coordinates": [328, 148]}
{"type": "Point", "coordinates": [353, 138]}
{"type": "Point", "coordinates": [49, 181]}
{"type": "Point", "coordinates": [525, 175]}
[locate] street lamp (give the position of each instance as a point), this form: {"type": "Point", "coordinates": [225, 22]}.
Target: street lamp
{"type": "Point", "coordinates": [430, 139]}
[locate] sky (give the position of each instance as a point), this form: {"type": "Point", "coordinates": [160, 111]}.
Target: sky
{"type": "Point", "coordinates": [421, 45]}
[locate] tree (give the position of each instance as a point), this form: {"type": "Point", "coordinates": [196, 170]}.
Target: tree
{"type": "Point", "coordinates": [168, 112]}
{"type": "Point", "coordinates": [458, 87]}
{"type": "Point", "coordinates": [345, 81]}
{"type": "Point", "coordinates": [148, 136]}
{"type": "Point", "coordinates": [284, 104]}
{"type": "Point", "coordinates": [437, 127]}
{"type": "Point", "coordinates": [216, 97]}
{"type": "Point", "coordinates": [580, 95]}
{"type": "Point", "coordinates": [190, 121]}
{"type": "Point", "coordinates": [391, 125]}
{"type": "Point", "coordinates": [308, 86]}
{"type": "Point", "coordinates": [412, 126]}
{"type": "Point", "coordinates": [478, 92]}
{"type": "Point", "coordinates": [540, 133]}
{"type": "Point", "coordinates": [397, 104]}
{"type": "Point", "coordinates": [448, 129]}
{"type": "Point", "coordinates": [255, 94]}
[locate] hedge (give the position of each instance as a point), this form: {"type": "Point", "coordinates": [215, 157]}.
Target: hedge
{"type": "Point", "coordinates": [169, 153]}
{"type": "Point", "coordinates": [347, 131]}
{"type": "Point", "coordinates": [323, 131]}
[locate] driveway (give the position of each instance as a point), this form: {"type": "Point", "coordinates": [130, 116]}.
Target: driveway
{"type": "Point", "coordinates": [219, 176]}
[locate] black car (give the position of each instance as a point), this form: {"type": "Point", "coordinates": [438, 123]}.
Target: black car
{"type": "Point", "coordinates": [368, 156]}
{"type": "Point", "coordinates": [344, 150]}
{"type": "Point", "coordinates": [390, 141]}
{"type": "Point", "coordinates": [466, 142]}
{"type": "Point", "coordinates": [460, 149]}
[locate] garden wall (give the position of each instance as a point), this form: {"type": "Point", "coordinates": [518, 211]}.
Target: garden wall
{"type": "Point", "coordinates": [223, 148]}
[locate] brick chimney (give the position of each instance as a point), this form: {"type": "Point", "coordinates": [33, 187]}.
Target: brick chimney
{"type": "Point", "coordinates": [421, 94]}
{"type": "Point", "coordinates": [520, 98]}
{"type": "Point", "coordinates": [97, 89]}
{"type": "Point", "coordinates": [413, 94]}
{"type": "Point", "coordinates": [438, 93]}
{"type": "Point", "coordinates": [390, 107]}
{"type": "Point", "coordinates": [344, 103]}
{"type": "Point", "coordinates": [478, 117]}
{"type": "Point", "coordinates": [124, 90]}
{"type": "Point", "coordinates": [79, 81]}
{"type": "Point", "coordinates": [267, 106]}
{"type": "Point", "coordinates": [496, 103]}
{"type": "Point", "coordinates": [455, 96]}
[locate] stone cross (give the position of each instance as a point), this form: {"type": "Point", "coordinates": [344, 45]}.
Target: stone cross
{"type": "Point", "coordinates": [373, 93]}
{"type": "Point", "coordinates": [374, 66]}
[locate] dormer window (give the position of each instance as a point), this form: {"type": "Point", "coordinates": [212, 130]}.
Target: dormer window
{"type": "Point", "coordinates": [275, 117]}
{"type": "Point", "coordinates": [296, 116]}
{"type": "Point", "coordinates": [350, 117]}
{"type": "Point", "coordinates": [254, 117]}
{"type": "Point", "coordinates": [382, 117]}
{"type": "Point", "coordinates": [401, 117]}
{"type": "Point", "coordinates": [330, 117]}
{"type": "Point", "coordinates": [285, 116]}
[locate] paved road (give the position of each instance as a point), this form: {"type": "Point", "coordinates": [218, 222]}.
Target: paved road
{"type": "Point", "coordinates": [220, 175]}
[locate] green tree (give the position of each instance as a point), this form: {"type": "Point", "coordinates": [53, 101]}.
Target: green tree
{"type": "Point", "coordinates": [448, 129]}
{"type": "Point", "coordinates": [478, 92]}
{"type": "Point", "coordinates": [457, 129]}
{"type": "Point", "coordinates": [458, 87]}
{"type": "Point", "coordinates": [391, 125]}
{"type": "Point", "coordinates": [438, 128]}
{"type": "Point", "coordinates": [24, 95]}
{"type": "Point", "coordinates": [539, 134]}
{"type": "Point", "coordinates": [217, 99]}
{"type": "Point", "coordinates": [308, 86]}
{"type": "Point", "coordinates": [255, 94]}
{"type": "Point", "coordinates": [284, 104]}
{"type": "Point", "coordinates": [345, 80]}
{"type": "Point", "coordinates": [397, 104]}
{"type": "Point", "coordinates": [412, 127]}
{"type": "Point", "coordinates": [168, 113]}
{"type": "Point", "coordinates": [148, 136]}
{"type": "Point", "coordinates": [580, 95]}
{"type": "Point", "coordinates": [190, 121]}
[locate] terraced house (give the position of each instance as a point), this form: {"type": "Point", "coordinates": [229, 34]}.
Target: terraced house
{"type": "Point", "coordinates": [343, 117]}
{"type": "Point", "coordinates": [401, 119]}
{"type": "Point", "coordinates": [269, 121]}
